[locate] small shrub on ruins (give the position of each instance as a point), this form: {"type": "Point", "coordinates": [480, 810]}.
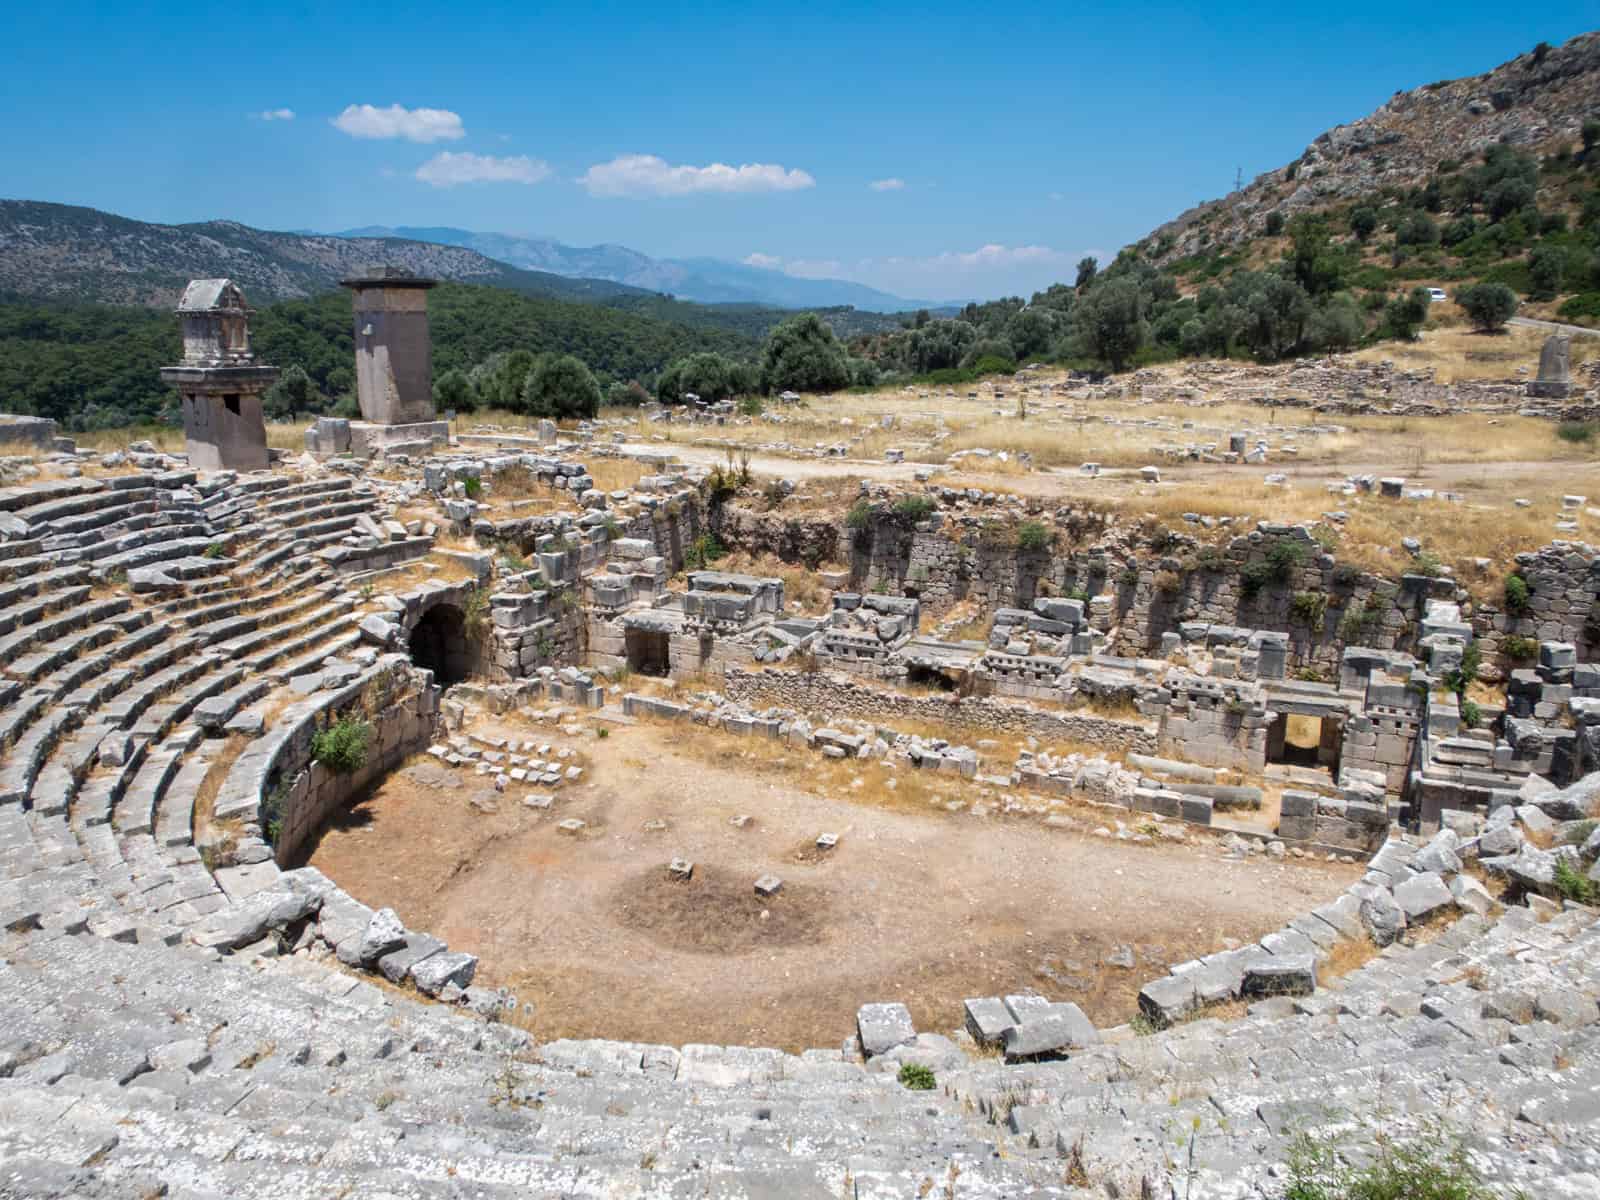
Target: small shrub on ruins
{"type": "Point", "coordinates": [702, 552]}
{"type": "Point", "coordinates": [342, 746]}
{"type": "Point", "coordinates": [1284, 558]}
{"type": "Point", "coordinates": [916, 1077]}
{"type": "Point", "coordinates": [272, 806]}
{"type": "Point", "coordinates": [473, 486]}
{"type": "Point", "coordinates": [1129, 577]}
{"type": "Point", "coordinates": [1211, 558]}
{"type": "Point", "coordinates": [475, 613]}
{"type": "Point", "coordinates": [912, 509]}
{"type": "Point", "coordinates": [1471, 714]}
{"type": "Point", "coordinates": [544, 647]}
{"type": "Point", "coordinates": [772, 494]}
{"type": "Point", "coordinates": [1427, 563]}
{"type": "Point", "coordinates": [215, 550]}
{"type": "Point", "coordinates": [1311, 675]}
{"type": "Point", "coordinates": [1517, 592]}
{"type": "Point", "coordinates": [750, 406]}
{"type": "Point", "coordinates": [1573, 885]}
{"type": "Point", "coordinates": [1168, 583]}
{"type": "Point", "coordinates": [1033, 535]}
{"type": "Point", "coordinates": [602, 732]}
{"type": "Point", "coordinates": [859, 516]}
{"type": "Point", "coordinates": [1577, 432]}
{"type": "Point", "coordinates": [1460, 678]}
{"type": "Point", "coordinates": [1345, 576]}
{"type": "Point", "coordinates": [1078, 593]}
{"type": "Point", "coordinates": [1429, 1168]}
{"type": "Point", "coordinates": [1309, 608]}
{"type": "Point", "coordinates": [1253, 577]}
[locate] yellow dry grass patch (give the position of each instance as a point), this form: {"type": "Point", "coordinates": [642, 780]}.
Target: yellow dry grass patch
{"type": "Point", "coordinates": [803, 588]}
{"type": "Point", "coordinates": [208, 832]}
{"type": "Point", "coordinates": [431, 568]}
{"type": "Point", "coordinates": [1455, 353]}
{"type": "Point", "coordinates": [615, 474]}
{"type": "Point", "coordinates": [1485, 524]}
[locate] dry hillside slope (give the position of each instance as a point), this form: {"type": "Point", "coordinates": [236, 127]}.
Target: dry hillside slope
{"type": "Point", "coordinates": [1535, 101]}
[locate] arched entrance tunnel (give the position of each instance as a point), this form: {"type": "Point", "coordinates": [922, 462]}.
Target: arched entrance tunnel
{"type": "Point", "coordinates": [439, 644]}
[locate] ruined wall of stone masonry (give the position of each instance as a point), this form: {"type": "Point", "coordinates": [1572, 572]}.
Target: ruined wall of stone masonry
{"type": "Point", "coordinates": [1165, 580]}
{"type": "Point", "coordinates": [822, 694]}
{"type": "Point", "coordinates": [401, 719]}
{"type": "Point", "coordinates": [673, 527]}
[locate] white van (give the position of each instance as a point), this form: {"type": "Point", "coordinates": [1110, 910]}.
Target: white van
{"type": "Point", "coordinates": [1437, 295]}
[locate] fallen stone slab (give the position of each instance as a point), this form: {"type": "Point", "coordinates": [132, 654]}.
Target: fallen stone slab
{"type": "Point", "coordinates": [1280, 975]}
{"type": "Point", "coordinates": [1063, 1028]}
{"type": "Point", "coordinates": [397, 964]}
{"type": "Point", "coordinates": [1382, 916]}
{"type": "Point", "coordinates": [1421, 895]}
{"type": "Point", "coordinates": [434, 972]}
{"type": "Point", "coordinates": [1169, 999]}
{"type": "Point", "coordinates": [1470, 895]}
{"type": "Point", "coordinates": [987, 1019]}
{"type": "Point", "coordinates": [384, 934]}
{"type": "Point", "coordinates": [882, 1027]}
{"type": "Point", "coordinates": [255, 917]}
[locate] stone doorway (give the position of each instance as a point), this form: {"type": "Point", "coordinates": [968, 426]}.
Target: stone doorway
{"type": "Point", "coordinates": [649, 651]}
{"type": "Point", "coordinates": [439, 644]}
{"type": "Point", "coordinates": [1302, 740]}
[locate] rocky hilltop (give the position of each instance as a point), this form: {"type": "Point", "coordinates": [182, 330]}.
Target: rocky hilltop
{"type": "Point", "coordinates": [1536, 101]}
{"type": "Point", "coordinates": [59, 251]}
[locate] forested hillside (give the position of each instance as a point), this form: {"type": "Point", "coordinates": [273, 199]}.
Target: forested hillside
{"type": "Point", "coordinates": [95, 366]}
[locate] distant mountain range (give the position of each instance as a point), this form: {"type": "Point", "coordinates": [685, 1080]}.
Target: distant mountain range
{"type": "Point", "coordinates": [64, 252]}
{"type": "Point", "coordinates": [705, 280]}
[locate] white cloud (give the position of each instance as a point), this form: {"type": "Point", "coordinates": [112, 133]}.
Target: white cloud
{"type": "Point", "coordinates": [648, 175]}
{"type": "Point", "coordinates": [412, 124]}
{"type": "Point", "coordinates": [887, 185]}
{"type": "Point", "coordinates": [275, 114]}
{"type": "Point", "coordinates": [992, 255]}
{"type": "Point", "coordinates": [448, 170]}
{"type": "Point", "coordinates": [990, 270]}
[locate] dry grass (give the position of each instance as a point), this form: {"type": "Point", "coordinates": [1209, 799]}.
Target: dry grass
{"type": "Point", "coordinates": [208, 831]}
{"type": "Point", "coordinates": [1347, 955]}
{"type": "Point", "coordinates": [1486, 524]}
{"type": "Point", "coordinates": [287, 435]}
{"type": "Point", "coordinates": [431, 568]}
{"type": "Point", "coordinates": [803, 589]}
{"type": "Point", "coordinates": [616, 474]}
{"type": "Point", "coordinates": [1455, 353]}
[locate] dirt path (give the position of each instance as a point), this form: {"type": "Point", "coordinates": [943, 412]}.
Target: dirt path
{"type": "Point", "coordinates": [1119, 482]}
{"type": "Point", "coordinates": [923, 907]}
{"type": "Point", "coordinates": [1554, 326]}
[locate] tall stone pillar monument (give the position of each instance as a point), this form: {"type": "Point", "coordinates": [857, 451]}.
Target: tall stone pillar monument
{"type": "Point", "coordinates": [394, 365]}
{"type": "Point", "coordinates": [219, 380]}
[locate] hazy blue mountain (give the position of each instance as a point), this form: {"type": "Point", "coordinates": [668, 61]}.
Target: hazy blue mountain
{"type": "Point", "coordinates": [707, 280]}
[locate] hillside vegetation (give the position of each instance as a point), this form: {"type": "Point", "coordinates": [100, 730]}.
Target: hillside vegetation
{"type": "Point", "coordinates": [1490, 178]}
{"type": "Point", "coordinates": [95, 366]}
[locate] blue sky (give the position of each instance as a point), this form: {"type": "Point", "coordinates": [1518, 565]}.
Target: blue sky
{"type": "Point", "coordinates": [1005, 141]}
